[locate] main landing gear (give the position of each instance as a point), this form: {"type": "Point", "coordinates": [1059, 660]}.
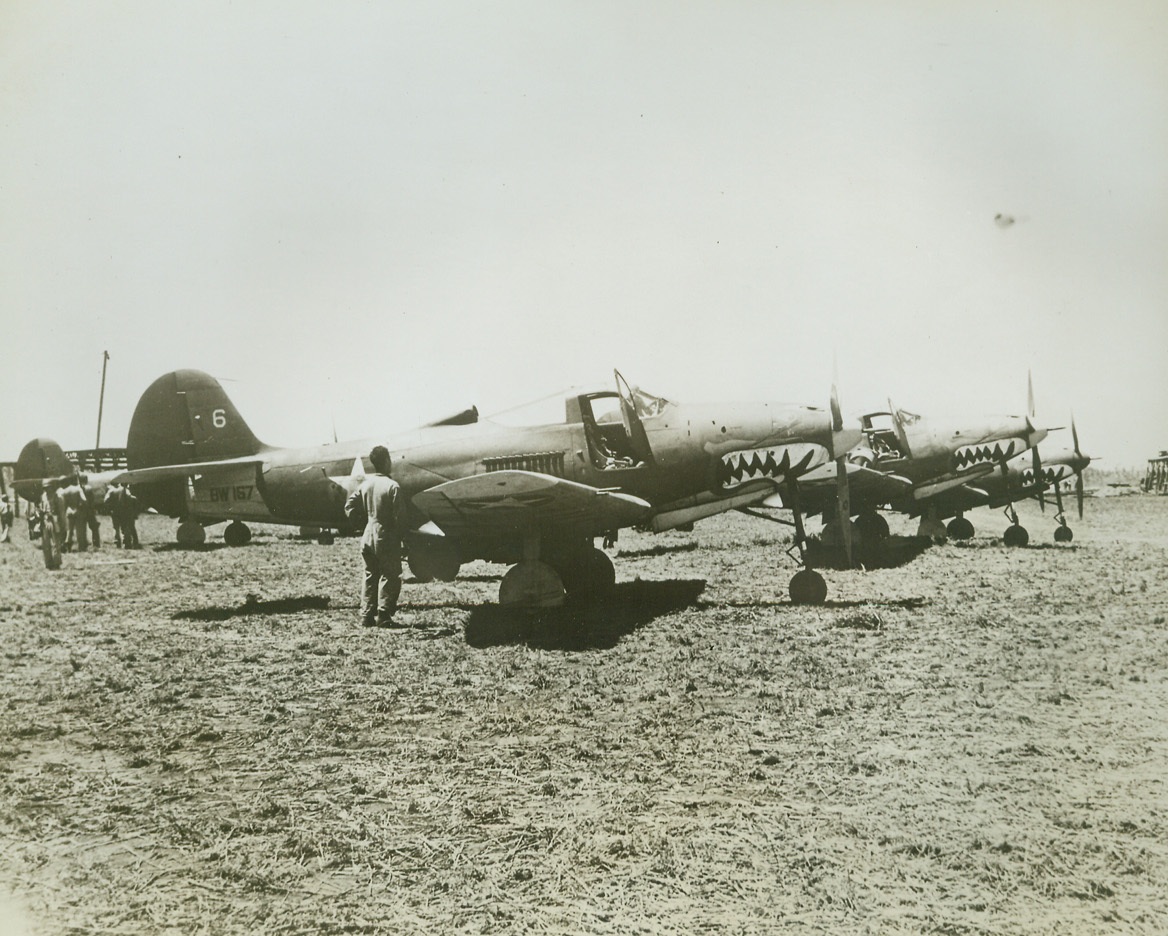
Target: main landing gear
{"type": "Point", "coordinates": [237, 534]}
{"type": "Point", "coordinates": [542, 579]}
{"type": "Point", "coordinates": [960, 528]}
{"type": "Point", "coordinates": [931, 526]}
{"type": "Point", "coordinates": [429, 561]}
{"type": "Point", "coordinates": [1015, 534]}
{"type": "Point", "coordinates": [190, 534]}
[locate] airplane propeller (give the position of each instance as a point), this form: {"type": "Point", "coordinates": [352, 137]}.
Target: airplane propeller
{"type": "Point", "coordinates": [1036, 463]}
{"type": "Point", "coordinates": [1079, 466]}
{"type": "Point", "coordinates": [840, 450]}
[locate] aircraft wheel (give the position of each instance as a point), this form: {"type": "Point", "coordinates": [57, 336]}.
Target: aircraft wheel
{"type": "Point", "coordinates": [960, 528]}
{"type": "Point", "coordinates": [807, 587]}
{"type": "Point", "coordinates": [191, 533]}
{"type": "Point", "coordinates": [325, 537]}
{"type": "Point", "coordinates": [832, 537]}
{"type": "Point", "coordinates": [1063, 534]}
{"type": "Point", "coordinates": [1015, 535]}
{"type": "Point", "coordinates": [531, 584]}
{"type": "Point", "coordinates": [50, 548]}
{"type": "Point", "coordinates": [589, 574]}
{"type": "Point", "coordinates": [434, 561]}
{"type": "Point", "coordinates": [237, 534]}
{"type": "Point", "coordinates": [872, 526]}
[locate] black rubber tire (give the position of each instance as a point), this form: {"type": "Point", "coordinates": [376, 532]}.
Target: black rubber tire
{"type": "Point", "coordinates": [1063, 534]}
{"type": "Point", "coordinates": [872, 526]}
{"type": "Point", "coordinates": [960, 528]}
{"type": "Point", "coordinates": [1015, 535]}
{"type": "Point", "coordinates": [807, 588]}
{"type": "Point", "coordinates": [237, 534]}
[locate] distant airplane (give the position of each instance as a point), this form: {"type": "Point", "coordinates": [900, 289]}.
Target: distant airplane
{"type": "Point", "coordinates": [1026, 477]}
{"type": "Point", "coordinates": [907, 463]}
{"type": "Point", "coordinates": [532, 497]}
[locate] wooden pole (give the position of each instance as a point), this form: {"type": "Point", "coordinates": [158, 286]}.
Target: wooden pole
{"type": "Point", "coordinates": [101, 398]}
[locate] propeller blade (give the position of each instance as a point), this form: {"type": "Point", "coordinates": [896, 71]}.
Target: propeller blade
{"type": "Point", "coordinates": [1079, 492]}
{"type": "Point", "coordinates": [837, 417]}
{"type": "Point", "coordinates": [1036, 462]}
{"type": "Point", "coordinates": [1029, 395]}
{"type": "Point", "coordinates": [1075, 436]}
{"type": "Point", "coordinates": [844, 506]}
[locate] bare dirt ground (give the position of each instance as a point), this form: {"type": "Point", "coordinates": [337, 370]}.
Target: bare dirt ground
{"type": "Point", "coordinates": [976, 742]}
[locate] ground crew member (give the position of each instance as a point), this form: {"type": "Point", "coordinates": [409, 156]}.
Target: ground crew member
{"type": "Point", "coordinates": [91, 518]}
{"type": "Point", "coordinates": [124, 510]}
{"type": "Point", "coordinates": [71, 499]}
{"type": "Point", "coordinates": [5, 518]}
{"type": "Point", "coordinates": [378, 501]}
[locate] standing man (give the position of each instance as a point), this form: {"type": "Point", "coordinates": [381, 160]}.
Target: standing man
{"type": "Point", "coordinates": [72, 504]}
{"type": "Point", "coordinates": [5, 518]}
{"type": "Point", "coordinates": [123, 507]}
{"type": "Point", "coordinates": [91, 519]}
{"type": "Point", "coordinates": [379, 502]}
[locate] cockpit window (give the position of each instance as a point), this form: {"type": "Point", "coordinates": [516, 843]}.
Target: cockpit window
{"type": "Point", "coordinates": [646, 404]}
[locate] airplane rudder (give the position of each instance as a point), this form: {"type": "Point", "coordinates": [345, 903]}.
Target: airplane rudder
{"type": "Point", "coordinates": [186, 416]}
{"type": "Point", "coordinates": [41, 458]}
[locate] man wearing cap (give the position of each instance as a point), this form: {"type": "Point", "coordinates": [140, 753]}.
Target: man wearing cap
{"type": "Point", "coordinates": [379, 502]}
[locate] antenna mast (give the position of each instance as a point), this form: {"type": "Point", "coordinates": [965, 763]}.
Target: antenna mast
{"type": "Point", "coordinates": [101, 398]}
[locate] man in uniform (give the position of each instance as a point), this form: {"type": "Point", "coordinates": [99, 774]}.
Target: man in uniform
{"type": "Point", "coordinates": [123, 508]}
{"type": "Point", "coordinates": [379, 502]}
{"type": "Point", "coordinates": [91, 519]}
{"type": "Point", "coordinates": [5, 518]}
{"type": "Point", "coordinates": [71, 499]}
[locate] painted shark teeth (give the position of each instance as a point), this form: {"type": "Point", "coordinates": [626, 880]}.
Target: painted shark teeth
{"type": "Point", "coordinates": [970, 456]}
{"type": "Point", "coordinates": [1050, 475]}
{"type": "Point", "coordinates": [774, 463]}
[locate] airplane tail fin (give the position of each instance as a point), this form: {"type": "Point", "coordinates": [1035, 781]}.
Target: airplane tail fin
{"type": "Point", "coordinates": [39, 460]}
{"type": "Point", "coordinates": [185, 416]}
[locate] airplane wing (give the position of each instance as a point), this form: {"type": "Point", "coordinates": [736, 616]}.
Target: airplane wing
{"type": "Point", "coordinates": [865, 484]}
{"type": "Point", "coordinates": [933, 488]}
{"type": "Point", "coordinates": [511, 501]}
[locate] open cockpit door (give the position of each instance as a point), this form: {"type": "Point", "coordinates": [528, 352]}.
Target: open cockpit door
{"type": "Point", "coordinates": [634, 405]}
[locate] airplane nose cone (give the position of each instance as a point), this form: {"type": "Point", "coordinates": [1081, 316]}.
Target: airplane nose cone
{"type": "Point", "coordinates": [844, 441]}
{"type": "Point", "coordinates": [1036, 435]}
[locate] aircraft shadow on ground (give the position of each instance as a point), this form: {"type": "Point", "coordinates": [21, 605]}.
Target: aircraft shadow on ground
{"type": "Point", "coordinates": [786, 603]}
{"type": "Point", "coordinates": [656, 551]}
{"type": "Point", "coordinates": [891, 553]}
{"type": "Point", "coordinates": [253, 605]}
{"type": "Point", "coordinates": [201, 548]}
{"type": "Point", "coordinates": [996, 543]}
{"type": "Point", "coordinates": [575, 627]}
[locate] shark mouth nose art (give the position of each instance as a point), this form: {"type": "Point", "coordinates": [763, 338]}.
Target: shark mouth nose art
{"type": "Point", "coordinates": [1050, 475]}
{"type": "Point", "coordinates": [777, 463]}
{"type": "Point", "coordinates": [971, 456]}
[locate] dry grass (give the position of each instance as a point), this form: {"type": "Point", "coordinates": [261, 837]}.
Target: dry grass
{"type": "Point", "coordinates": [971, 743]}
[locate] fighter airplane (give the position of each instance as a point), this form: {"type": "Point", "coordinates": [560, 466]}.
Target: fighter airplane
{"type": "Point", "coordinates": [1025, 477]}
{"type": "Point", "coordinates": [531, 497]}
{"type": "Point", "coordinates": [906, 462]}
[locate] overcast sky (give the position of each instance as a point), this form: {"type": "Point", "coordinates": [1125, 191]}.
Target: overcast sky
{"type": "Point", "coordinates": [368, 215]}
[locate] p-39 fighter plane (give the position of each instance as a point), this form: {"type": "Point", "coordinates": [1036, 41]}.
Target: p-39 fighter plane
{"type": "Point", "coordinates": [1025, 477]}
{"type": "Point", "coordinates": [908, 463]}
{"type": "Point", "coordinates": [532, 497]}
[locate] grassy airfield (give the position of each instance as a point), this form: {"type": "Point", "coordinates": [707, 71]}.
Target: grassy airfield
{"type": "Point", "coordinates": [976, 742]}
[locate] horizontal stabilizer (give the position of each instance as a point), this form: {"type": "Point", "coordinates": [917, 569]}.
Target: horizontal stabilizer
{"type": "Point", "coordinates": [187, 470]}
